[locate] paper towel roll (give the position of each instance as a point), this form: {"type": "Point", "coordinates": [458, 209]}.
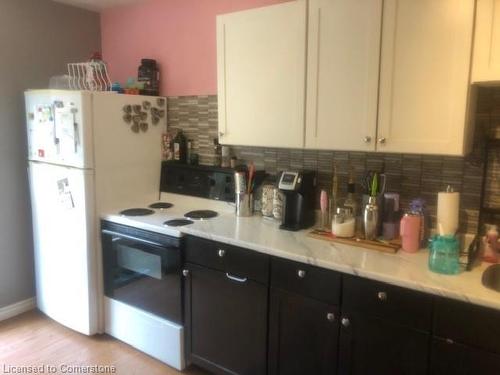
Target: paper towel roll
{"type": "Point", "coordinates": [447, 212]}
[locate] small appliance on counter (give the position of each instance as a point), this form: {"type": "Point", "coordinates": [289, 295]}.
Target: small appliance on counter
{"type": "Point", "coordinates": [298, 190]}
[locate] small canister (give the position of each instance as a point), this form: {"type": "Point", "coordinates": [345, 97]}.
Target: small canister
{"type": "Point", "coordinates": [344, 223]}
{"type": "Point", "coordinates": [410, 229]}
{"type": "Point", "coordinates": [240, 182]}
{"type": "Point", "coordinates": [278, 199]}
{"type": "Point", "coordinates": [267, 200]}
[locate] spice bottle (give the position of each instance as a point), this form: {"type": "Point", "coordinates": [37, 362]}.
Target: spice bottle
{"type": "Point", "coordinates": [180, 147]}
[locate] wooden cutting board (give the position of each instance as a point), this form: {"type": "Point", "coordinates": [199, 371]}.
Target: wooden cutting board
{"type": "Point", "coordinates": [387, 247]}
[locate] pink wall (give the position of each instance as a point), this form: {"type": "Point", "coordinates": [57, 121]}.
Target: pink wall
{"type": "Point", "coordinates": [179, 34]}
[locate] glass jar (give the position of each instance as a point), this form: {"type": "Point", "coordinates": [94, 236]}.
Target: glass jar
{"type": "Point", "coordinates": [444, 255]}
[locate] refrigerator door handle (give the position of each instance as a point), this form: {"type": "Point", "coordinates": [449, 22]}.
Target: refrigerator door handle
{"type": "Point", "coordinates": [76, 136]}
{"type": "Point", "coordinates": [56, 140]}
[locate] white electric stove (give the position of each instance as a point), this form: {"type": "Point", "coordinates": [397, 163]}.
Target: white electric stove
{"type": "Point", "coordinates": [142, 245]}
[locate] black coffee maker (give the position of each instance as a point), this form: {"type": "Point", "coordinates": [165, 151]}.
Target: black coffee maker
{"type": "Point", "coordinates": [298, 189]}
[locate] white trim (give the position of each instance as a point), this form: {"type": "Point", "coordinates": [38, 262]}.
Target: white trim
{"type": "Point", "coordinates": [17, 308]}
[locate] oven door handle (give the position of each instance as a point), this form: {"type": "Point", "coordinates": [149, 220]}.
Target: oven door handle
{"type": "Point", "coordinates": [128, 237]}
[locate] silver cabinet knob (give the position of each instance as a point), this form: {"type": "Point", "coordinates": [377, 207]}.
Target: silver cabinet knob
{"type": "Point", "coordinates": [345, 322]}
{"type": "Point", "coordinates": [301, 273]}
{"type": "Point", "coordinates": [367, 139]}
{"type": "Point", "coordinates": [185, 273]}
{"type": "Point", "coordinates": [221, 253]}
{"type": "Point", "coordinates": [382, 296]}
{"type": "Point", "coordinates": [381, 140]}
{"type": "Point", "coordinates": [330, 317]}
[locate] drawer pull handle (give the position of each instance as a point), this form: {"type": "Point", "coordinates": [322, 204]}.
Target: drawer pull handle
{"type": "Point", "coordinates": [221, 253]}
{"type": "Point", "coordinates": [237, 279]}
{"type": "Point", "coordinates": [185, 273]}
{"type": "Point", "coordinates": [330, 317]}
{"type": "Point", "coordinates": [301, 273]}
{"type": "Point", "coordinates": [346, 322]}
{"type": "Point", "coordinates": [382, 296]}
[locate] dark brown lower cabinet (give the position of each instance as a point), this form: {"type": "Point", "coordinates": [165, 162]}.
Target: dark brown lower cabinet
{"type": "Point", "coordinates": [369, 345]}
{"type": "Point", "coordinates": [303, 335]}
{"type": "Point", "coordinates": [226, 322]}
{"type": "Point", "coordinates": [448, 357]}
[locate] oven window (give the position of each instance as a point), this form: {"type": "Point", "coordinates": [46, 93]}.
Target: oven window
{"type": "Point", "coordinates": [138, 262]}
{"type": "Point", "coordinates": [143, 275]}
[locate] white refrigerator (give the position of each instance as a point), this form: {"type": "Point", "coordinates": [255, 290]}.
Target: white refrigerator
{"type": "Point", "coordinates": [88, 152]}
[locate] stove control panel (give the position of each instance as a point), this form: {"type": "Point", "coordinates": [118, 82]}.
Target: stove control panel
{"type": "Point", "coordinates": [198, 181]}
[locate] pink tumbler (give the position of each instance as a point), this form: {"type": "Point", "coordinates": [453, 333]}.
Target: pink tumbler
{"type": "Point", "coordinates": [410, 232]}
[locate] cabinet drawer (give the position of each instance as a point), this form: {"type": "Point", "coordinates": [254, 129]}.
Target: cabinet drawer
{"type": "Point", "coordinates": [468, 324]}
{"type": "Point", "coordinates": [236, 261]}
{"type": "Point", "coordinates": [317, 283]}
{"type": "Point", "coordinates": [386, 301]}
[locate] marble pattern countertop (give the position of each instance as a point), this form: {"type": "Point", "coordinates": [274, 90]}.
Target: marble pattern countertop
{"type": "Point", "coordinates": [402, 269]}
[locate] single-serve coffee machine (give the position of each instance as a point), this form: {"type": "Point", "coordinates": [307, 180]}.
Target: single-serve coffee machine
{"type": "Point", "coordinates": [298, 190]}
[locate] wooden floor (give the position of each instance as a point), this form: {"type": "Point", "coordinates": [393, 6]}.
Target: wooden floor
{"type": "Point", "coordinates": [32, 339]}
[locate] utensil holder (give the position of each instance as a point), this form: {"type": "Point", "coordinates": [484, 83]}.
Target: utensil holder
{"type": "Point", "coordinates": [244, 204]}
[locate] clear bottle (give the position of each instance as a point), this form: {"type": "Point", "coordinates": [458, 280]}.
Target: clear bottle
{"type": "Point", "coordinates": [180, 147]}
{"type": "Point", "coordinates": [350, 200]}
{"type": "Point", "coordinates": [217, 153]}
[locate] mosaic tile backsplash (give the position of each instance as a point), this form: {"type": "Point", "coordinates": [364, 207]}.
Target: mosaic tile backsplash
{"type": "Point", "coordinates": [410, 175]}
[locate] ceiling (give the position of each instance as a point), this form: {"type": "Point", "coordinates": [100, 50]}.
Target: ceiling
{"type": "Point", "coordinates": [97, 5]}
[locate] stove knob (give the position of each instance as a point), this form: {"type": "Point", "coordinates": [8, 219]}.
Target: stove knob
{"type": "Point", "coordinates": [185, 273]}
{"type": "Point", "coordinates": [221, 253]}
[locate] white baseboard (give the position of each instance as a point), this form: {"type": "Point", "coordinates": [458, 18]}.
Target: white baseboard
{"type": "Point", "coordinates": [17, 308]}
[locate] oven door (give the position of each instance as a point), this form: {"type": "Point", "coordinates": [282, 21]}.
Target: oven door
{"type": "Point", "coordinates": [143, 272]}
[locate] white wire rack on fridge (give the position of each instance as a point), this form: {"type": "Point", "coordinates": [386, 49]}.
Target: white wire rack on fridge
{"type": "Point", "coordinates": [92, 76]}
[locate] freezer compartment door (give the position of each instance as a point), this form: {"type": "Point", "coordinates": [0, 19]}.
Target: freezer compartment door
{"type": "Point", "coordinates": [128, 164]}
{"type": "Point", "coordinates": [59, 127]}
{"type": "Point", "coordinates": [65, 244]}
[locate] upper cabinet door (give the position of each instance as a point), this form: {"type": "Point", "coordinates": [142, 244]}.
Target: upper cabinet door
{"type": "Point", "coordinates": [424, 76]}
{"type": "Point", "coordinates": [342, 74]}
{"type": "Point", "coordinates": [261, 76]}
{"type": "Point", "coordinates": [486, 57]}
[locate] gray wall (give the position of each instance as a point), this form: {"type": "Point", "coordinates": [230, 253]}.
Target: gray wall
{"type": "Point", "coordinates": [37, 39]}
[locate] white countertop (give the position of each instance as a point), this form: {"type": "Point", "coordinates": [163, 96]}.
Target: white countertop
{"type": "Point", "coordinates": [402, 269]}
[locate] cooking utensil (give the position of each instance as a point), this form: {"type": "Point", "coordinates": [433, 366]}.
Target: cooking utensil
{"type": "Point", "coordinates": [251, 173]}
{"type": "Point", "coordinates": [324, 208]}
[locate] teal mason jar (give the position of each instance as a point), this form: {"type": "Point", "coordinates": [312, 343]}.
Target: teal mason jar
{"type": "Point", "coordinates": [444, 255]}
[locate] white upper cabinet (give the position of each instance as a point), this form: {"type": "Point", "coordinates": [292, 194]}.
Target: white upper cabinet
{"type": "Point", "coordinates": [424, 76]}
{"type": "Point", "coordinates": [486, 57]}
{"type": "Point", "coordinates": [343, 74]}
{"type": "Point", "coordinates": [261, 68]}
